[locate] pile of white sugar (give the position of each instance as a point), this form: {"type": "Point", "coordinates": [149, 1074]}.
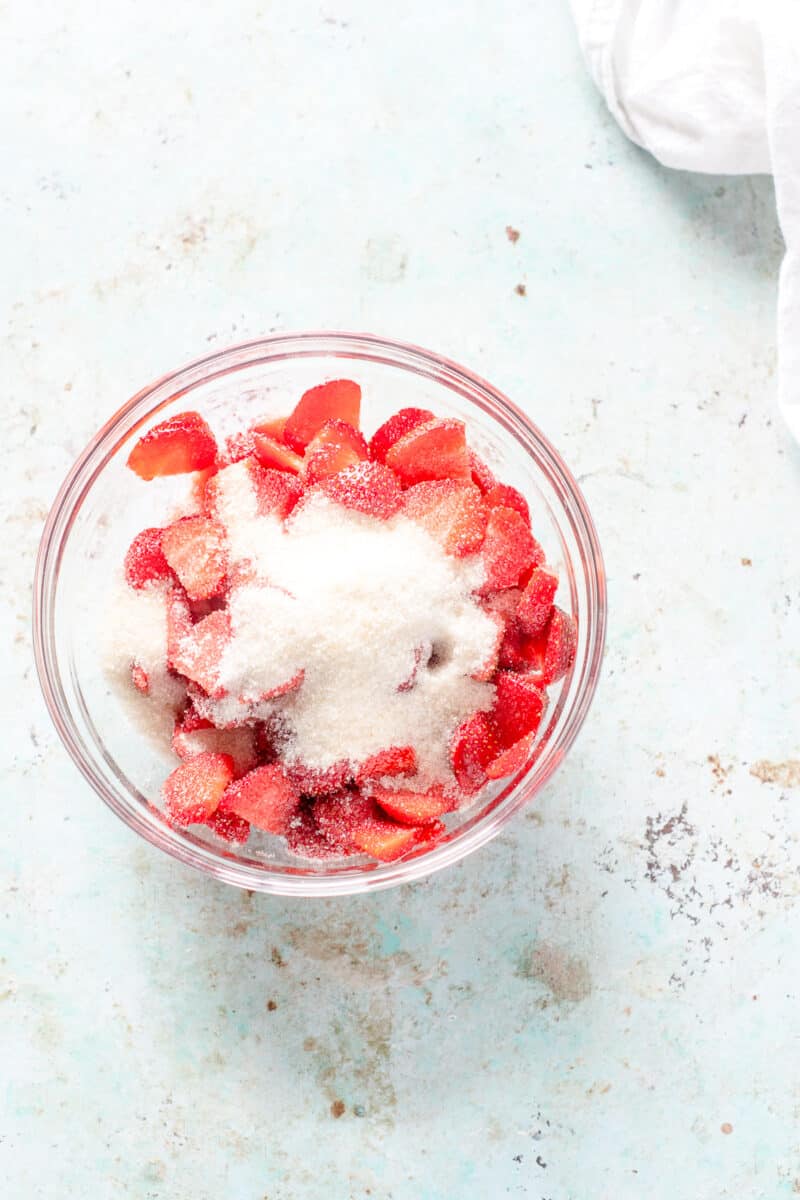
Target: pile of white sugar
{"type": "Point", "coordinates": [379, 621]}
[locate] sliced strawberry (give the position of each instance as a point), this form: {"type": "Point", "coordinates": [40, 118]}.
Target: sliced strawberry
{"type": "Point", "coordinates": [383, 839]}
{"type": "Point", "coordinates": [199, 652]}
{"type": "Point", "coordinates": [397, 760]}
{"type": "Point", "coordinates": [313, 781]}
{"type": "Point", "coordinates": [283, 689]}
{"type": "Point", "coordinates": [518, 708]}
{"type": "Point", "coordinates": [472, 748]}
{"type": "Point", "coordinates": [396, 427]}
{"type": "Point", "coordinates": [238, 446]}
{"type": "Point", "coordinates": [508, 762]}
{"type": "Point", "coordinates": [229, 826]}
{"type": "Point", "coordinates": [265, 797]}
{"type": "Point", "coordinates": [353, 822]}
{"type": "Point", "coordinates": [554, 649]}
{"type": "Point", "coordinates": [436, 449]}
{"type": "Point", "coordinates": [482, 477]}
{"type": "Point", "coordinates": [304, 836]}
{"type": "Point", "coordinates": [503, 496]}
{"type": "Point", "coordinates": [193, 790]}
{"type": "Point", "coordinates": [452, 512]}
{"type": "Point", "coordinates": [412, 808]}
{"type": "Point", "coordinates": [272, 453]}
{"type": "Point", "coordinates": [139, 679]}
{"type": "Point", "coordinates": [338, 399]}
{"type": "Point", "coordinates": [368, 488]}
{"type": "Point", "coordinates": [508, 549]}
{"type": "Point", "coordinates": [336, 446]}
{"type": "Point", "coordinates": [239, 743]}
{"type": "Point", "coordinates": [272, 426]}
{"type": "Point", "coordinates": [536, 602]}
{"type": "Point", "coordinates": [180, 444]}
{"type": "Point", "coordinates": [195, 549]}
{"type": "Point", "coordinates": [145, 562]}
{"type": "Point", "coordinates": [276, 492]}
{"type": "Point", "coordinates": [179, 623]}
{"type": "Point", "coordinates": [503, 603]}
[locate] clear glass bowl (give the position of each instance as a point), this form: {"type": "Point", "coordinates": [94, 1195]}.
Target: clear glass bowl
{"type": "Point", "coordinates": [102, 504]}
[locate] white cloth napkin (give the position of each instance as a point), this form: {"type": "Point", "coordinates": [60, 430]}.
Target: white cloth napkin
{"type": "Point", "coordinates": [712, 85]}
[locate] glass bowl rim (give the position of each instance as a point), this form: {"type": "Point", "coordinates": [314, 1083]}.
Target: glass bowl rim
{"type": "Point", "coordinates": [244, 355]}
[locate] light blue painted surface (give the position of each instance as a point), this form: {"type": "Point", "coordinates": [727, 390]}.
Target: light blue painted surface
{"type": "Point", "coordinates": [576, 1012]}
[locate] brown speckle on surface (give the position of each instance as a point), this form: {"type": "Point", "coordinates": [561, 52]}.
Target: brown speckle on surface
{"type": "Point", "coordinates": [271, 1005]}
{"type": "Point", "coordinates": [719, 772]}
{"type": "Point", "coordinates": [337, 1109]}
{"type": "Point", "coordinates": [67, 387]}
{"type": "Point", "coordinates": [277, 957]}
{"type": "Point", "coordinates": [726, 1127]}
{"type": "Point", "coordinates": [309, 1043]}
{"type": "Point", "coordinates": [512, 234]}
{"type": "Point", "coordinates": [521, 290]}
{"type": "Point", "coordinates": [787, 773]}
{"type": "Point", "coordinates": [565, 977]}
{"type": "Point", "coordinates": [747, 562]}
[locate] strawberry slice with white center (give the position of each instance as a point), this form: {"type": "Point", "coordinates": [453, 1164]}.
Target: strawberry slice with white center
{"type": "Point", "coordinates": [145, 562]}
{"type": "Point", "coordinates": [503, 496]}
{"type": "Point", "coordinates": [195, 735]}
{"type": "Point", "coordinates": [472, 748]}
{"type": "Point", "coordinates": [265, 797]}
{"type": "Point", "coordinates": [536, 603]}
{"type": "Point", "coordinates": [508, 762]}
{"type": "Point", "coordinates": [194, 547]}
{"type": "Point", "coordinates": [353, 822]}
{"type": "Point", "coordinates": [273, 453]}
{"type": "Point", "coordinates": [434, 450]}
{"type": "Point", "coordinates": [176, 446]}
{"type": "Point", "coordinates": [451, 511]}
{"type": "Point", "coordinates": [339, 399]}
{"type": "Point", "coordinates": [193, 791]}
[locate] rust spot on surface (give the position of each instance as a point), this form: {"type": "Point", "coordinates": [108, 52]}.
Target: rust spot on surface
{"type": "Point", "coordinates": [726, 1127]}
{"type": "Point", "coordinates": [747, 562]}
{"type": "Point", "coordinates": [565, 977]}
{"type": "Point", "coordinates": [271, 1005]}
{"type": "Point", "coordinates": [512, 234]}
{"type": "Point", "coordinates": [719, 772]}
{"type": "Point", "coordinates": [309, 1043]}
{"type": "Point", "coordinates": [787, 773]}
{"type": "Point", "coordinates": [521, 289]}
{"type": "Point", "coordinates": [337, 1109]}
{"type": "Point", "coordinates": [277, 957]}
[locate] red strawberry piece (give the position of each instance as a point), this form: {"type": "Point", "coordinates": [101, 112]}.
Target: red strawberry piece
{"type": "Point", "coordinates": [412, 808]}
{"type": "Point", "coordinates": [276, 492]}
{"type": "Point", "coordinates": [199, 485]}
{"type": "Point", "coordinates": [336, 446]}
{"type": "Point", "coordinates": [145, 562]}
{"type": "Point", "coordinates": [305, 838]}
{"type": "Point", "coordinates": [508, 549]}
{"type": "Point", "coordinates": [139, 679]}
{"type": "Point", "coordinates": [503, 603]}
{"type": "Point", "coordinates": [518, 708]}
{"type": "Point", "coordinates": [367, 487]}
{"type": "Point", "coordinates": [199, 652]}
{"type": "Point", "coordinates": [229, 826]}
{"type": "Point", "coordinates": [436, 449]}
{"type": "Point", "coordinates": [482, 477]}
{"type": "Point", "coordinates": [508, 762]}
{"type": "Point", "coordinates": [429, 833]}
{"type": "Point", "coordinates": [272, 426]}
{"type": "Point", "coordinates": [265, 797]}
{"type": "Point", "coordinates": [195, 549]}
{"type": "Point", "coordinates": [396, 427]}
{"type": "Point", "coordinates": [472, 748]}
{"type": "Point", "coordinates": [338, 399]}
{"type": "Point", "coordinates": [239, 743]}
{"type": "Point", "coordinates": [189, 721]}
{"type": "Point", "coordinates": [397, 760]}
{"type": "Point", "coordinates": [536, 602]}
{"type": "Point", "coordinates": [503, 496]}
{"type": "Point", "coordinates": [353, 822]}
{"type": "Point", "coordinates": [180, 444]}
{"type": "Point", "coordinates": [179, 623]}
{"type": "Point", "coordinates": [272, 453]}
{"type": "Point", "coordinates": [283, 689]}
{"type": "Point", "coordinates": [192, 792]}
{"type": "Point", "coordinates": [314, 781]}
{"type": "Point", "coordinates": [557, 646]}
{"type": "Point", "coordinates": [452, 512]}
